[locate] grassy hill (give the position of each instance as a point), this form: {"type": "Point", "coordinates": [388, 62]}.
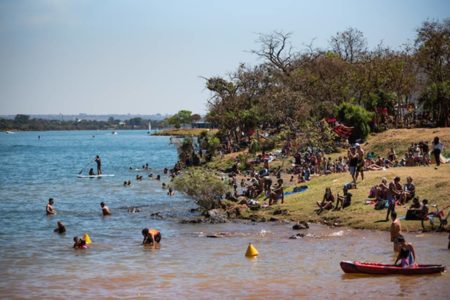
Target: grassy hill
{"type": "Point", "coordinates": [431, 184]}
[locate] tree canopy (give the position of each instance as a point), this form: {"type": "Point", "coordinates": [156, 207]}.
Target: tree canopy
{"type": "Point", "coordinates": [292, 87]}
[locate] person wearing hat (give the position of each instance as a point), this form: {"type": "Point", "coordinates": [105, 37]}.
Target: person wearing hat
{"type": "Point", "coordinates": [406, 254]}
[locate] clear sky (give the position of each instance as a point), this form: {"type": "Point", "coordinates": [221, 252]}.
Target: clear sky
{"type": "Point", "coordinates": [131, 56]}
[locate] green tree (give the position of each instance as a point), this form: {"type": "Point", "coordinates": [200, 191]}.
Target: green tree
{"type": "Point", "coordinates": [206, 189]}
{"type": "Point", "coordinates": [357, 117]}
{"type": "Point", "coordinates": [185, 150]}
{"type": "Point", "coordinates": [433, 56]}
{"type": "Point", "coordinates": [22, 119]}
{"type": "Point", "coordinates": [180, 118]}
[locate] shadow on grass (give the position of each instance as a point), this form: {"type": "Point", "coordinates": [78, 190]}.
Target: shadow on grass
{"type": "Point", "coordinates": [381, 221]}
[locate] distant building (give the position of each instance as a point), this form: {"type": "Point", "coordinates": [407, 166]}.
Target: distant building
{"type": "Point", "coordinates": [202, 124]}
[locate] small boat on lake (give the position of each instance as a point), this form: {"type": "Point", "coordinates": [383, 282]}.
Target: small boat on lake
{"type": "Point", "coordinates": [385, 269]}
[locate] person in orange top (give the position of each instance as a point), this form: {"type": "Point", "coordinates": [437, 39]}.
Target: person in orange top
{"type": "Point", "coordinates": [151, 236]}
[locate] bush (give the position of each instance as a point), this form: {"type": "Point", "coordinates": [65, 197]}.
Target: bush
{"type": "Point", "coordinates": [204, 187]}
{"type": "Point", "coordinates": [357, 117]}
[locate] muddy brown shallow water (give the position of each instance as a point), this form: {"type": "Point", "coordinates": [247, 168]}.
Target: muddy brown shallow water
{"type": "Point", "coordinates": [190, 265]}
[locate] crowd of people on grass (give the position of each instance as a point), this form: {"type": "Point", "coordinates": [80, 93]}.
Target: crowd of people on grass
{"type": "Point", "coordinates": [312, 161]}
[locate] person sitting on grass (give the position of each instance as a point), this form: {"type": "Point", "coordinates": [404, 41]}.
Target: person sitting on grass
{"type": "Point", "coordinates": [345, 200]}
{"type": "Point", "coordinates": [391, 155]}
{"type": "Point", "coordinates": [409, 189]}
{"type": "Point", "coordinates": [327, 201]}
{"type": "Point", "coordinates": [406, 254]}
{"type": "Point", "coordinates": [371, 166]}
{"type": "Point", "coordinates": [414, 212]}
{"type": "Point", "coordinates": [381, 194]}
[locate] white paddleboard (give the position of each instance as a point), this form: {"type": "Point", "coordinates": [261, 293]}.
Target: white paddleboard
{"type": "Point", "coordinates": [95, 176]}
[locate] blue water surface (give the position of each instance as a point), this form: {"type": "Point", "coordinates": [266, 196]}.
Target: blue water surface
{"type": "Point", "coordinates": [35, 166]}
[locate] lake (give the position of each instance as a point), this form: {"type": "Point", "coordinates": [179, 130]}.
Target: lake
{"type": "Point", "coordinates": [37, 263]}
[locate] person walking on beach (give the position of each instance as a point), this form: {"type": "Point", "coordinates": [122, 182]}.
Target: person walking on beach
{"type": "Point", "coordinates": [99, 164]}
{"type": "Point", "coordinates": [49, 208]}
{"type": "Point", "coordinates": [105, 209]}
{"type": "Point", "coordinates": [437, 150]}
{"type": "Point", "coordinates": [396, 229]}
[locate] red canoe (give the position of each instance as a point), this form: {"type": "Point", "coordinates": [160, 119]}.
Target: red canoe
{"type": "Point", "coordinates": [377, 268]}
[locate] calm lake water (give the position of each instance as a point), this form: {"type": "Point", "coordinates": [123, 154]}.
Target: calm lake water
{"type": "Point", "coordinates": [37, 263]}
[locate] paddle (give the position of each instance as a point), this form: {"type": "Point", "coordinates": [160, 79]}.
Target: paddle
{"type": "Point", "coordinates": [84, 167]}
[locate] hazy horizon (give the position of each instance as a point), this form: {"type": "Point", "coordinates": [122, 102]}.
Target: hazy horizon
{"type": "Point", "coordinates": [149, 57]}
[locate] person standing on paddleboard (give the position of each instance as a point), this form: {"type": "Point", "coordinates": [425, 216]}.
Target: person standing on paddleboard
{"type": "Point", "coordinates": [99, 164]}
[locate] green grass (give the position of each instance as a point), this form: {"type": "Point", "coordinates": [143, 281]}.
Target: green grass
{"type": "Point", "coordinates": [430, 184]}
{"type": "Point", "coordinates": [184, 131]}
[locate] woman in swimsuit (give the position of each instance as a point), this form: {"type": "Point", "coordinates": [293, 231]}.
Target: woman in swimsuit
{"type": "Point", "coordinates": [406, 255]}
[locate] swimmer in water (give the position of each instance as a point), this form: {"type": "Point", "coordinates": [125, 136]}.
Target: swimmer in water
{"type": "Point", "coordinates": [151, 236]}
{"type": "Point", "coordinates": [49, 208]}
{"type": "Point", "coordinates": [79, 243]}
{"type": "Point", "coordinates": [105, 209]}
{"type": "Point", "coordinates": [60, 227]}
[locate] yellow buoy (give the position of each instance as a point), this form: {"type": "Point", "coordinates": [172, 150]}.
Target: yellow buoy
{"type": "Point", "coordinates": [251, 251]}
{"type": "Point", "coordinates": [87, 238]}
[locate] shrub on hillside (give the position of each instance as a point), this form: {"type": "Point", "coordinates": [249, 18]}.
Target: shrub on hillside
{"type": "Point", "coordinates": [357, 117]}
{"type": "Point", "coordinates": [205, 188]}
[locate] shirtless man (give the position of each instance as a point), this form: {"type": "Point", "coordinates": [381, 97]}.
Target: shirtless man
{"type": "Point", "coordinates": [277, 193]}
{"type": "Point", "coordinates": [395, 192]}
{"type": "Point", "coordinates": [49, 208]}
{"type": "Point", "coordinates": [105, 209]}
{"type": "Point", "coordinates": [361, 162]}
{"type": "Point", "coordinates": [395, 230]}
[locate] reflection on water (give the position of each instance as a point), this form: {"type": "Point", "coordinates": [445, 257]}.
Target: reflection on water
{"type": "Point", "coordinates": [194, 262]}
